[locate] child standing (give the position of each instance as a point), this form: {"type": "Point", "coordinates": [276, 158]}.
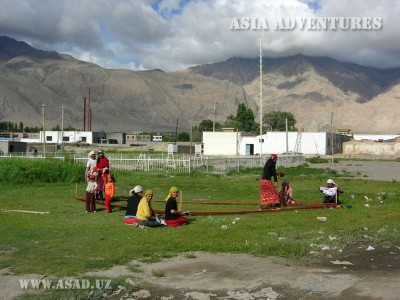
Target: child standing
{"type": "Point", "coordinates": [109, 190]}
{"type": "Point", "coordinates": [90, 192]}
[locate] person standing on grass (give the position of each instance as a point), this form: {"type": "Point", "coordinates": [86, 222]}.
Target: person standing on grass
{"type": "Point", "coordinates": [109, 190]}
{"type": "Point", "coordinates": [90, 192]}
{"type": "Point", "coordinates": [173, 217]}
{"type": "Point", "coordinates": [145, 213]}
{"type": "Point", "coordinates": [135, 195]}
{"type": "Point", "coordinates": [102, 163]}
{"type": "Point", "coordinates": [268, 195]}
{"type": "Point", "coordinates": [90, 165]}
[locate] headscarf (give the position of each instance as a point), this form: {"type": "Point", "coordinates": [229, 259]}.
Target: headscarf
{"type": "Point", "coordinates": [148, 192]}
{"type": "Point", "coordinates": [171, 190]}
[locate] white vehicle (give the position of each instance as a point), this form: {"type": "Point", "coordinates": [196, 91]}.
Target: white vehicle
{"type": "Point", "coordinates": [157, 138]}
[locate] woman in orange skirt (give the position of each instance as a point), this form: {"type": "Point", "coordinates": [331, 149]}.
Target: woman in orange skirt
{"type": "Point", "coordinates": [268, 195]}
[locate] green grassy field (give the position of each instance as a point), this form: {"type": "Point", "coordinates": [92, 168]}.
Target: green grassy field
{"type": "Point", "coordinates": [69, 242]}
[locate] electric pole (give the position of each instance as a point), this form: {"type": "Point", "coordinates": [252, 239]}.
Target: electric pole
{"type": "Point", "coordinates": [261, 96]}
{"type": "Point", "coordinates": [214, 112]}
{"type": "Point", "coordinates": [44, 131]}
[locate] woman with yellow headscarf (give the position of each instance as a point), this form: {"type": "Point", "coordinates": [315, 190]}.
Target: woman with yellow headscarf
{"type": "Point", "coordinates": [174, 217]}
{"type": "Point", "coordinates": [145, 213]}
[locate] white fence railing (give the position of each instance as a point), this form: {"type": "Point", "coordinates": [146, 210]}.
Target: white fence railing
{"type": "Point", "coordinates": [179, 164]}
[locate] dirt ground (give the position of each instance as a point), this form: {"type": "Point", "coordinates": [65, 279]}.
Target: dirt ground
{"type": "Point", "coordinates": [366, 169]}
{"type": "Point", "coordinates": [372, 275]}
{"type": "Point", "coordinates": [356, 272]}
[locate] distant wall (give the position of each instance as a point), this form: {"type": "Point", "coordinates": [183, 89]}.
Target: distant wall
{"type": "Point", "coordinates": [374, 137]}
{"type": "Point", "coordinates": [371, 148]}
{"type": "Point", "coordinates": [221, 143]}
{"type": "Point", "coordinates": [12, 147]}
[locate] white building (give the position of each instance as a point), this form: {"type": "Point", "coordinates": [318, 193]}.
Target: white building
{"type": "Point", "coordinates": [311, 143]}
{"type": "Point", "coordinates": [221, 143]}
{"type": "Point", "coordinates": [58, 137]}
{"type": "Point", "coordinates": [374, 137]}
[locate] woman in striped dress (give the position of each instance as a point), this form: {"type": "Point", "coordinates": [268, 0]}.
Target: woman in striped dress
{"type": "Point", "coordinates": [268, 195]}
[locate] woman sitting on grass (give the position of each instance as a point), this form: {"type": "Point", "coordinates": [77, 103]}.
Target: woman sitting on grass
{"type": "Point", "coordinates": [286, 194]}
{"type": "Point", "coordinates": [145, 213]}
{"type": "Point", "coordinates": [135, 195]}
{"type": "Point", "coordinates": [173, 217]}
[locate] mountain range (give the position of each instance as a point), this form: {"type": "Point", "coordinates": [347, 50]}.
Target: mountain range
{"type": "Point", "coordinates": [319, 91]}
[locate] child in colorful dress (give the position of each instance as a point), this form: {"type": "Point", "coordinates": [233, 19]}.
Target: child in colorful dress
{"type": "Point", "coordinates": [90, 192]}
{"type": "Point", "coordinates": [109, 190]}
{"type": "Point", "coordinates": [286, 194]}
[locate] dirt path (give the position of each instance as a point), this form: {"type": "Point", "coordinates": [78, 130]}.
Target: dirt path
{"type": "Point", "coordinates": [352, 274]}
{"type": "Point", "coordinates": [365, 169]}
{"type": "Point", "coordinates": [239, 276]}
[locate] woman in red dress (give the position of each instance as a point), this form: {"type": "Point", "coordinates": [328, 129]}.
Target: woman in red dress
{"type": "Point", "coordinates": [102, 164]}
{"type": "Point", "coordinates": [268, 195]}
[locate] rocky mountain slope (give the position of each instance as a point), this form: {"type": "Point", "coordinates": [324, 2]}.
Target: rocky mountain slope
{"type": "Point", "coordinates": [313, 88]}
{"type": "Point", "coordinates": [318, 89]}
{"type": "Point", "coordinates": [120, 99]}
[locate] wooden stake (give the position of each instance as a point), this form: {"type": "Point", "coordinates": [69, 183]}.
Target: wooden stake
{"type": "Point", "coordinates": [180, 201]}
{"type": "Point", "coordinates": [26, 211]}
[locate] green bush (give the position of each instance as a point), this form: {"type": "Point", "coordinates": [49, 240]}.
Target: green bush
{"type": "Point", "coordinates": [18, 170]}
{"type": "Point", "coordinates": [317, 160]}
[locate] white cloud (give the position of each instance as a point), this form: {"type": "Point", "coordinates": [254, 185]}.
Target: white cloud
{"type": "Point", "coordinates": [175, 34]}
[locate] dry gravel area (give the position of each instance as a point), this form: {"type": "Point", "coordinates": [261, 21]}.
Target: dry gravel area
{"type": "Point", "coordinates": [382, 170]}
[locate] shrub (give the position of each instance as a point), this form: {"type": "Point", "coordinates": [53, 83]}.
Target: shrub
{"type": "Point", "coordinates": [19, 170]}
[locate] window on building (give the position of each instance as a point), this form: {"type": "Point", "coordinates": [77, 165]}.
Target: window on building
{"type": "Point", "coordinates": [49, 138]}
{"type": "Point", "coordinates": [66, 139]}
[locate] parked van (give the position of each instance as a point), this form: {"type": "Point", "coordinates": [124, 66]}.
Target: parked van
{"type": "Point", "coordinates": [157, 138]}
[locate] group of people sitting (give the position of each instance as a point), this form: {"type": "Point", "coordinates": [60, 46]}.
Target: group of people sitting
{"type": "Point", "coordinates": [140, 213]}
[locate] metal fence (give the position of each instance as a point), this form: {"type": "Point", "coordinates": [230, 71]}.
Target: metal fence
{"type": "Point", "coordinates": [168, 163]}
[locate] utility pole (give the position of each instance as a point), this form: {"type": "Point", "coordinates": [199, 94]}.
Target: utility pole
{"type": "Point", "coordinates": [84, 113]}
{"type": "Point", "coordinates": [332, 136]}
{"type": "Point", "coordinates": [214, 112]}
{"type": "Point", "coordinates": [89, 114]}
{"type": "Point", "coordinates": [261, 96]}
{"type": "Point", "coordinates": [176, 131]}
{"type": "Point", "coordinates": [62, 125]}
{"type": "Point", "coordinates": [287, 137]}
{"type": "Point", "coordinates": [44, 131]}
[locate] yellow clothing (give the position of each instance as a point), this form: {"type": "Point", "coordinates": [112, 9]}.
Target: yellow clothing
{"type": "Point", "coordinates": [143, 210]}
{"type": "Point", "coordinates": [109, 189]}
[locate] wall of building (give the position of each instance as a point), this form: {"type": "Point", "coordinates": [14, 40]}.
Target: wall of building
{"type": "Point", "coordinates": [131, 138]}
{"type": "Point", "coordinates": [59, 137]}
{"type": "Point", "coordinates": [375, 137]}
{"type": "Point", "coordinates": [118, 136]}
{"type": "Point", "coordinates": [221, 143]}
{"type": "Point", "coordinates": [12, 147]}
{"type": "Point", "coordinates": [310, 143]}
{"type": "Point", "coordinates": [371, 148]}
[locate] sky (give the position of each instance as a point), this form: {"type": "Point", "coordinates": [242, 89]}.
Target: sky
{"type": "Point", "coordinates": [173, 35]}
